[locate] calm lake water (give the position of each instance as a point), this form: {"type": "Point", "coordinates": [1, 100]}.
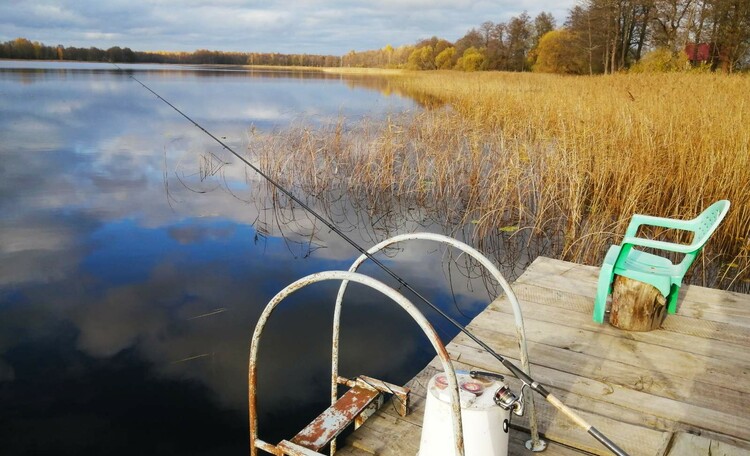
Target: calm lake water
{"type": "Point", "coordinates": [136, 257]}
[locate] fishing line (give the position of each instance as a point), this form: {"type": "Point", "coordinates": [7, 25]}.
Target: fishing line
{"type": "Point", "coordinates": [521, 375]}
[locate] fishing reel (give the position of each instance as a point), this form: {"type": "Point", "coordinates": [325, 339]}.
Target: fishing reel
{"type": "Point", "coordinates": [504, 397]}
{"type": "Point", "coordinates": [508, 400]}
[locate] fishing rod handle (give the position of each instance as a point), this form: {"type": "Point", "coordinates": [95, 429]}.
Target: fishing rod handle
{"type": "Point", "coordinates": [576, 418]}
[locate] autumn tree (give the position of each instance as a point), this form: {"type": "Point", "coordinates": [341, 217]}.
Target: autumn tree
{"type": "Point", "coordinates": [388, 51]}
{"type": "Point", "coordinates": [518, 42]}
{"type": "Point", "coordinates": [729, 22]}
{"type": "Point", "coordinates": [558, 53]}
{"type": "Point", "coordinates": [21, 48]}
{"type": "Point", "coordinates": [496, 53]}
{"type": "Point", "coordinates": [543, 24]}
{"type": "Point", "coordinates": [669, 20]}
{"type": "Point", "coordinates": [616, 33]}
{"type": "Point", "coordinates": [421, 59]}
{"type": "Point", "coordinates": [471, 60]}
{"type": "Point", "coordinates": [473, 38]}
{"type": "Point", "coordinates": [662, 60]}
{"type": "Point", "coordinates": [612, 32]}
{"type": "Point", "coordinates": [444, 60]}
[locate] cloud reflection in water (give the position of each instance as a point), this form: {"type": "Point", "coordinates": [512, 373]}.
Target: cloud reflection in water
{"type": "Point", "coordinates": [131, 280]}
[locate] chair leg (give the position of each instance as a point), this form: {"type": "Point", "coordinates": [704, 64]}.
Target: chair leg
{"type": "Point", "coordinates": [674, 292]}
{"type": "Point", "coordinates": [604, 286]}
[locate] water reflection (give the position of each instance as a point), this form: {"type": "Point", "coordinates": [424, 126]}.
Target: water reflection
{"type": "Point", "coordinates": [135, 258]}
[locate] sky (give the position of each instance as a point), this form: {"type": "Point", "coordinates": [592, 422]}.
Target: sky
{"type": "Point", "coordinates": [291, 26]}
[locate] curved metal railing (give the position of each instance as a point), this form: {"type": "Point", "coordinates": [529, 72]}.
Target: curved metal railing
{"type": "Point", "coordinates": [535, 443]}
{"type": "Point", "coordinates": [346, 276]}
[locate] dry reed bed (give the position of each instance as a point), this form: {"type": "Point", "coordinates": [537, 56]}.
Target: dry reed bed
{"type": "Point", "coordinates": [566, 159]}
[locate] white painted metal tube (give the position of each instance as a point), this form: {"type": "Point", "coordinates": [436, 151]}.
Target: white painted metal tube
{"type": "Point", "coordinates": [410, 308]}
{"type": "Point", "coordinates": [493, 270]}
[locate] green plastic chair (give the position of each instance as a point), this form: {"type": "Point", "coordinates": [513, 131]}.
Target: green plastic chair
{"type": "Point", "coordinates": [627, 261]}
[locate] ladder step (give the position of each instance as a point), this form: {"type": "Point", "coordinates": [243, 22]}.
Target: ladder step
{"type": "Point", "coordinates": [335, 418]}
{"type": "Point", "coordinates": [292, 449]}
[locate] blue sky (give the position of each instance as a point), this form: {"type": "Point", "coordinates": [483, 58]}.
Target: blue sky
{"type": "Point", "coordinates": [293, 26]}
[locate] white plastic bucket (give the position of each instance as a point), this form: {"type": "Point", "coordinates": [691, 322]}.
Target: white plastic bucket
{"type": "Point", "coordinates": [485, 424]}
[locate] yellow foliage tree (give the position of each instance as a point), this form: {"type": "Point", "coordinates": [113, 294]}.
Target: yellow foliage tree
{"type": "Point", "coordinates": [662, 60]}
{"type": "Point", "coordinates": [444, 60]}
{"type": "Point", "coordinates": [421, 59]}
{"type": "Point", "coordinates": [559, 51]}
{"type": "Point", "coordinates": [471, 60]}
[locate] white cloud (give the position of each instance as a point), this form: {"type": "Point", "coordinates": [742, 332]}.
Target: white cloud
{"type": "Point", "coordinates": [264, 18]}
{"type": "Point", "coordinates": [56, 14]}
{"type": "Point", "coordinates": [101, 36]}
{"type": "Point", "coordinates": [325, 27]}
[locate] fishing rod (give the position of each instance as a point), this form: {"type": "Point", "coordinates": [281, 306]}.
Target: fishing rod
{"type": "Point", "coordinates": [521, 375]}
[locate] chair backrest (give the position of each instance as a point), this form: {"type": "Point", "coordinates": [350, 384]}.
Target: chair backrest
{"type": "Point", "coordinates": [707, 222]}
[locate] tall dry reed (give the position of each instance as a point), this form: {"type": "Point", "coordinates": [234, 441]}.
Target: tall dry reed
{"type": "Point", "coordinates": [564, 159]}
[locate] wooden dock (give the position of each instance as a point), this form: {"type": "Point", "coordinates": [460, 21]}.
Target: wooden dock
{"type": "Point", "coordinates": [680, 390]}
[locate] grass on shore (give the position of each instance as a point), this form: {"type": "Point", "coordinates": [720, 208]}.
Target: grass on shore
{"type": "Point", "coordinates": [565, 159]}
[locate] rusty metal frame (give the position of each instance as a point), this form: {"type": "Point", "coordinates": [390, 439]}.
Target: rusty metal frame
{"type": "Point", "coordinates": [535, 444]}
{"type": "Point", "coordinates": [346, 276]}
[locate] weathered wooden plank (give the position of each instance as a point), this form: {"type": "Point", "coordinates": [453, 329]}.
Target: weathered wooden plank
{"type": "Point", "coordinates": [680, 324]}
{"type": "Point", "coordinates": [612, 374]}
{"type": "Point", "coordinates": [386, 435]}
{"type": "Point", "coordinates": [721, 315]}
{"type": "Point", "coordinates": [708, 329]}
{"type": "Point", "coordinates": [641, 356]}
{"type": "Point", "coordinates": [694, 301]}
{"type": "Point", "coordinates": [711, 298]}
{"type": "Point", "coordinates": [704, 339]}
{"type": "Point", "coordinates": [695, 445]}
{"type": "Point", "coordinates": [552, 297]}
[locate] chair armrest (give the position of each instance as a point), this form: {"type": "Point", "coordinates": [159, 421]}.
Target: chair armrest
{"type": "Point", "coordinates": [661, 245]}
{"type": "Point", "coordinates": [637, 220]}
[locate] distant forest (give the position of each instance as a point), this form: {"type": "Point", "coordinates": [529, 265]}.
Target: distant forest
{"type": "Point", "coordinates": [22, 48]}
{"type": "Point", "coordinates": [598, 36]}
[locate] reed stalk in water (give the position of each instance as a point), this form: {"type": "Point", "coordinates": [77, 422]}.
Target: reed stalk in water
{"type": "Point", "coordinates": [563, 159]}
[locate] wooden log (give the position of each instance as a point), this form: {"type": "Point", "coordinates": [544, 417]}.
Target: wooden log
{"type": "Point", "coordinates": [636, 306]}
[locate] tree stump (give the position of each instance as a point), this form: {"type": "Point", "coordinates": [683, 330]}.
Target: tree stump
{"type": "Point", "coordinates": [636, 306]}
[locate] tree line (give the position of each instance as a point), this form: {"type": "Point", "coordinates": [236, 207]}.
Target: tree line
{"type": "Point", "coordinates": [612, 35]}
{"type": "Point", "coordinates": [598, 36]}
{"type": "Point", "coordinates": [491, 46]}
{"type": "Point", "coordinates": [22, 48]}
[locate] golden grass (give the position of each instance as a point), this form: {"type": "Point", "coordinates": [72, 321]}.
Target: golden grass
{"type": "Point", "coordinates": [366, 71]}
{"type": "Point", "coordinates": [565, 159]}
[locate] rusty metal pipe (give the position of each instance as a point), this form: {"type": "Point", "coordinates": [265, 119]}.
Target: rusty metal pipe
{"type": "Point", "coordinates": [410, 308]}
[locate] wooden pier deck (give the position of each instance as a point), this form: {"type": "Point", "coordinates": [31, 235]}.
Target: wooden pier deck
{"type": "Point", "coordinates": [680, 390]}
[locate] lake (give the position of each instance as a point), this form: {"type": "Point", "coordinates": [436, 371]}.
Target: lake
{"type": "Point", "coordinates": [136, 256]}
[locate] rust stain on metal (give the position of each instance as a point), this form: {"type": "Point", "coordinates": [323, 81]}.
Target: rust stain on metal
{"type": "Point", "coordinates": [291, 449]}
{"type": "Point", "coordinates": [402, 398]}
{"type": "Point", "coordinates": [335, 419]}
